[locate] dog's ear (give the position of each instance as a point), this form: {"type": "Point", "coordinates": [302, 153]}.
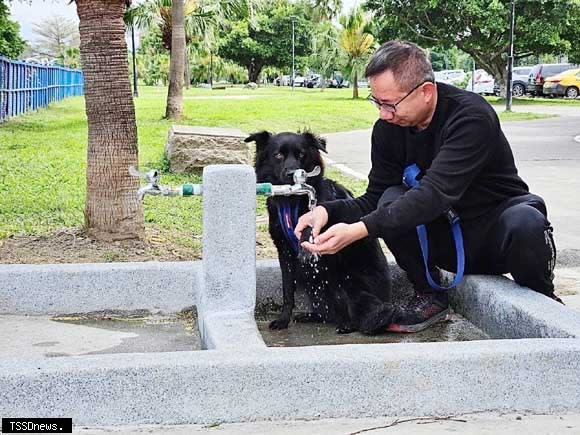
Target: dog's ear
{"type": "Point", "coordinates": [261, 138]}
{"type": "Point", "coordinates": [315, 141]}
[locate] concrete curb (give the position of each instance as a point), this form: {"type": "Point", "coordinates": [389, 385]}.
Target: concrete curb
{"type": "Point", "coordinates": [297, 383]}
{"type": "Point", "coordinates": [73, 288]}
{"type": "Point", "coordinates": [504, 309]}
{"type": "Point", "coordinates": [243, 380]}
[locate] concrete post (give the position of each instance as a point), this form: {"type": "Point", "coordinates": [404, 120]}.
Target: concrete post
{"type": "Point", "coordinates": [228, 288]}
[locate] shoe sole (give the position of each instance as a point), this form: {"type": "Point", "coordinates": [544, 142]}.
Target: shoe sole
{"type": "Point", "coordinates": [394, 327]}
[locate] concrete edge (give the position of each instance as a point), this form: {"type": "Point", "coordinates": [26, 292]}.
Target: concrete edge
{"type": "Point", "coordinates": [504, 309]}
{"type": "Point", "coordinates": [50, 289]}
{"type": "Point", "coordinates": [71, 288]}
{"type": "Point", "coordinates": [495, 304]}
{"type": "Point", "coordinates": [229, 331]}
{"type": "Point", "coordinates": [297, 383]}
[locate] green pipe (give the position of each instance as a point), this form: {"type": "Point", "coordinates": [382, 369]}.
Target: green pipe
{"type": "Point", "coordinates": [264, 189]}
{"type": "Point", "coordinates": [196, 189]}
{"type": "Point", "coordinates": [191, 189]}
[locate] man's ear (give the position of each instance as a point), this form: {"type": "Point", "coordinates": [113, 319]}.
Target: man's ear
{"type": "Point", "coordinates": [315, 141]}
{"type": "Point", "coordinates": [429, 90]}
{"type": "Point", "coordinates": [261, 138]}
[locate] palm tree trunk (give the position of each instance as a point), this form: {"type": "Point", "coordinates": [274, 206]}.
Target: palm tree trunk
{"type": "Point", "coordinates": [112, 211]}
{"type": "Point", "coordinates": [355, 86]}
{"type": "Point", "coordinates": [187, 75]}
{"type": "Point", "coordinates": [174, 109]}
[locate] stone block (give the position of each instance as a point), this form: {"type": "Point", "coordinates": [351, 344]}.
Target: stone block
{"type": "Point", "coordinates": [193, 148]}
{"type": "Point", "coordinates": [229, 239]}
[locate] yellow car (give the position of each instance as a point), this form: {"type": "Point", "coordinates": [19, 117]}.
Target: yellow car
{"type": "Point", "coordinates": [565, 84]}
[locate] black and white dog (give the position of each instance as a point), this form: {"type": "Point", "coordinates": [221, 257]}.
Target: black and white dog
{"type": "Point", "coordinates": [342, 288]}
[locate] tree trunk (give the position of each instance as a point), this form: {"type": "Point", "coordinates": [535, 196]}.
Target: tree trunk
{"type": "Point", "coordinates": [254, 69]}
{"type": "Point", "coordinates": [499, 72]}
{"type": "Point", "coordinates": [112, 210]}
{"type": "Point", "coordinates": [355, 86]}
{"type": "Point", "coordinates": [187, 71]}
{"type": "Point", "coordinates": [174, 108]}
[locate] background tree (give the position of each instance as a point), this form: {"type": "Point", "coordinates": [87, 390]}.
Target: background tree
{"type": "Point", "coordinates": [157, 15]}
{"type": "Point", "coordinates": [324, 10]}
{"type": "Point", "coordinates": [152, 59]}
{"type": "Point", "coordinates": [267, 40]}
{"type": "Point", "coordinates": [481, 27]}
{"type": "Point", "coordinates": [357, 44]}
{"type": "Point", "coordinates": [174, 109]}
{"type": "Point", "coordinates": [112, 211]}
{"type": "Point", "coordinates": [11, 44]}
{"type": "Point", "coordinates": [571, 31]}
{"type": "Point", "coordinates": [326, 53]}
{"type": "Point", "coordinates": [54, 36]}
{"type": "Point", "coordinates": [70, 57]}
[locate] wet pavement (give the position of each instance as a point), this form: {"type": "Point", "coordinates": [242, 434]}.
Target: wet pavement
{"type": "Point", "coordinates": [97, 333]}
{"type": "Point", "coordinates": [150, 333]}
{"type": "Point", "coordinates": [456, 328]}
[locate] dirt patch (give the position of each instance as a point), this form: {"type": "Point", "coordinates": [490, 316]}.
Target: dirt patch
{"type": "Point", "coordinates": [71, 245]}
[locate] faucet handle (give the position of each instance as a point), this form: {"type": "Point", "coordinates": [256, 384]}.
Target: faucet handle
{"type": "Point", "coordinates": [151, 176]}
{"type": "Point", "coordinates": [316, 171]}
{"type": "Point", "coordinates": [300, 175]}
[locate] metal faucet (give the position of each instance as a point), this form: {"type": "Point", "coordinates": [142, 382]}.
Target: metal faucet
{"type": "Point", "coordinates": [153, 188]}
{"type": "Point", "coordinates": [299, 187]}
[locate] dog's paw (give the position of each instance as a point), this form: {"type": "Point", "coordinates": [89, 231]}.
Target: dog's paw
{"type": "Point", "coordinates": [378, 319]}
{"type": "Point", "coordinates": [345, 329]}
{"type": "Point", "coordinates": [308, 318]}
{"type": "Point", "coordinates": [279, 324]}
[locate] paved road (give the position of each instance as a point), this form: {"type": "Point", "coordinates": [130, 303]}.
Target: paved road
{"type": "Point", "coordinates": [474, 424]}
{"type": "Point", "coordinates": [546, 153]}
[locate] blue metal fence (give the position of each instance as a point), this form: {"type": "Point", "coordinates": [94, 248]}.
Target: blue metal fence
{"type": "Point", "coordinates": [28, 86]}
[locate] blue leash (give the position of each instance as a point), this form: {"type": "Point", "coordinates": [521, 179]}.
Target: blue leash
{"type": "Point", "coordinates": [288, 220]}
{"type": "Point", "coordinates": [410, 179]}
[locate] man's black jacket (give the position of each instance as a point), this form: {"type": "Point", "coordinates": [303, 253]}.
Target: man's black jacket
{"type": "Point", "coordinates": [466, 160]}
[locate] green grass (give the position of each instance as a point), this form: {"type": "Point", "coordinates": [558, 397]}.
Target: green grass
{"type": "Point", "coordinates": [522, 116]}
{"type": "Point", "coordinates": [43, 154]}
{"type": "Point", "coordinates": [529, 101]}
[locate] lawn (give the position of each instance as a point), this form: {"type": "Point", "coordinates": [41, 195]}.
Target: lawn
{"type": "Point", "coordinates": [535, 101]}
{"type": "Point", "coordinates": [43, 154]}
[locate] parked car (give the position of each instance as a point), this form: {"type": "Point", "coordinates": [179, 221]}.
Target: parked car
{"type": "Point", "coordinates": [313, 81]}
{"type": "Point", "coordinates": [337, 81]}
{"type": "Point", "coordinates": [519, 81]}
{"type": "Point", "coordinates": [282, 81]}
{"type": "Point", "coordinates": [541, 71]}
{"type": "Point", "coordinates": [564, 84]}
{"type": "Point", "coordinates": [483, 83]}
{"type": "Point", "coordinates": [299, 81]}
{"type": "Point", "coordinates": [450, 76]}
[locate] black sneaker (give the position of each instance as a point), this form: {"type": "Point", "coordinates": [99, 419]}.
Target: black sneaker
{"type": "Point", "coordinates": [423, 311]}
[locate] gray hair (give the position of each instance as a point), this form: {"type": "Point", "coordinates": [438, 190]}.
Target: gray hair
{"type": "Point", "coordinates": [407, 61]}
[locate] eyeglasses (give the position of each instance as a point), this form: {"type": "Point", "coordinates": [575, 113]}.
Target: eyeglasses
{"type": "Point", "coordinates": [393, 107]}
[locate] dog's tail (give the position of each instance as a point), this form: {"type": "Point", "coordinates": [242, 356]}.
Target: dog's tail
{"type": "Point", "coordinates": [376, 320]}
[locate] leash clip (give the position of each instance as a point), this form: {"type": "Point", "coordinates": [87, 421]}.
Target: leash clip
{"type": "Point", "coordinates": [452, 216]}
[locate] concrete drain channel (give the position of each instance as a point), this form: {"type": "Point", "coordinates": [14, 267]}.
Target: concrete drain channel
{"type": "Point", "coordinates": [507, 349]}
{"type": "Point", "coordinates": [144, 331]}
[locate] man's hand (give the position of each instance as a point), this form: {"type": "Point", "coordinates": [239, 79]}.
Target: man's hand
{"type": "Point", "coordinates": [336, 238]}
{"type": "Point", "coordinates": [316, 219]}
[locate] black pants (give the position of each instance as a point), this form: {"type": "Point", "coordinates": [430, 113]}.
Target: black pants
{"type": "Point", "coordinates": [515, 238]}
